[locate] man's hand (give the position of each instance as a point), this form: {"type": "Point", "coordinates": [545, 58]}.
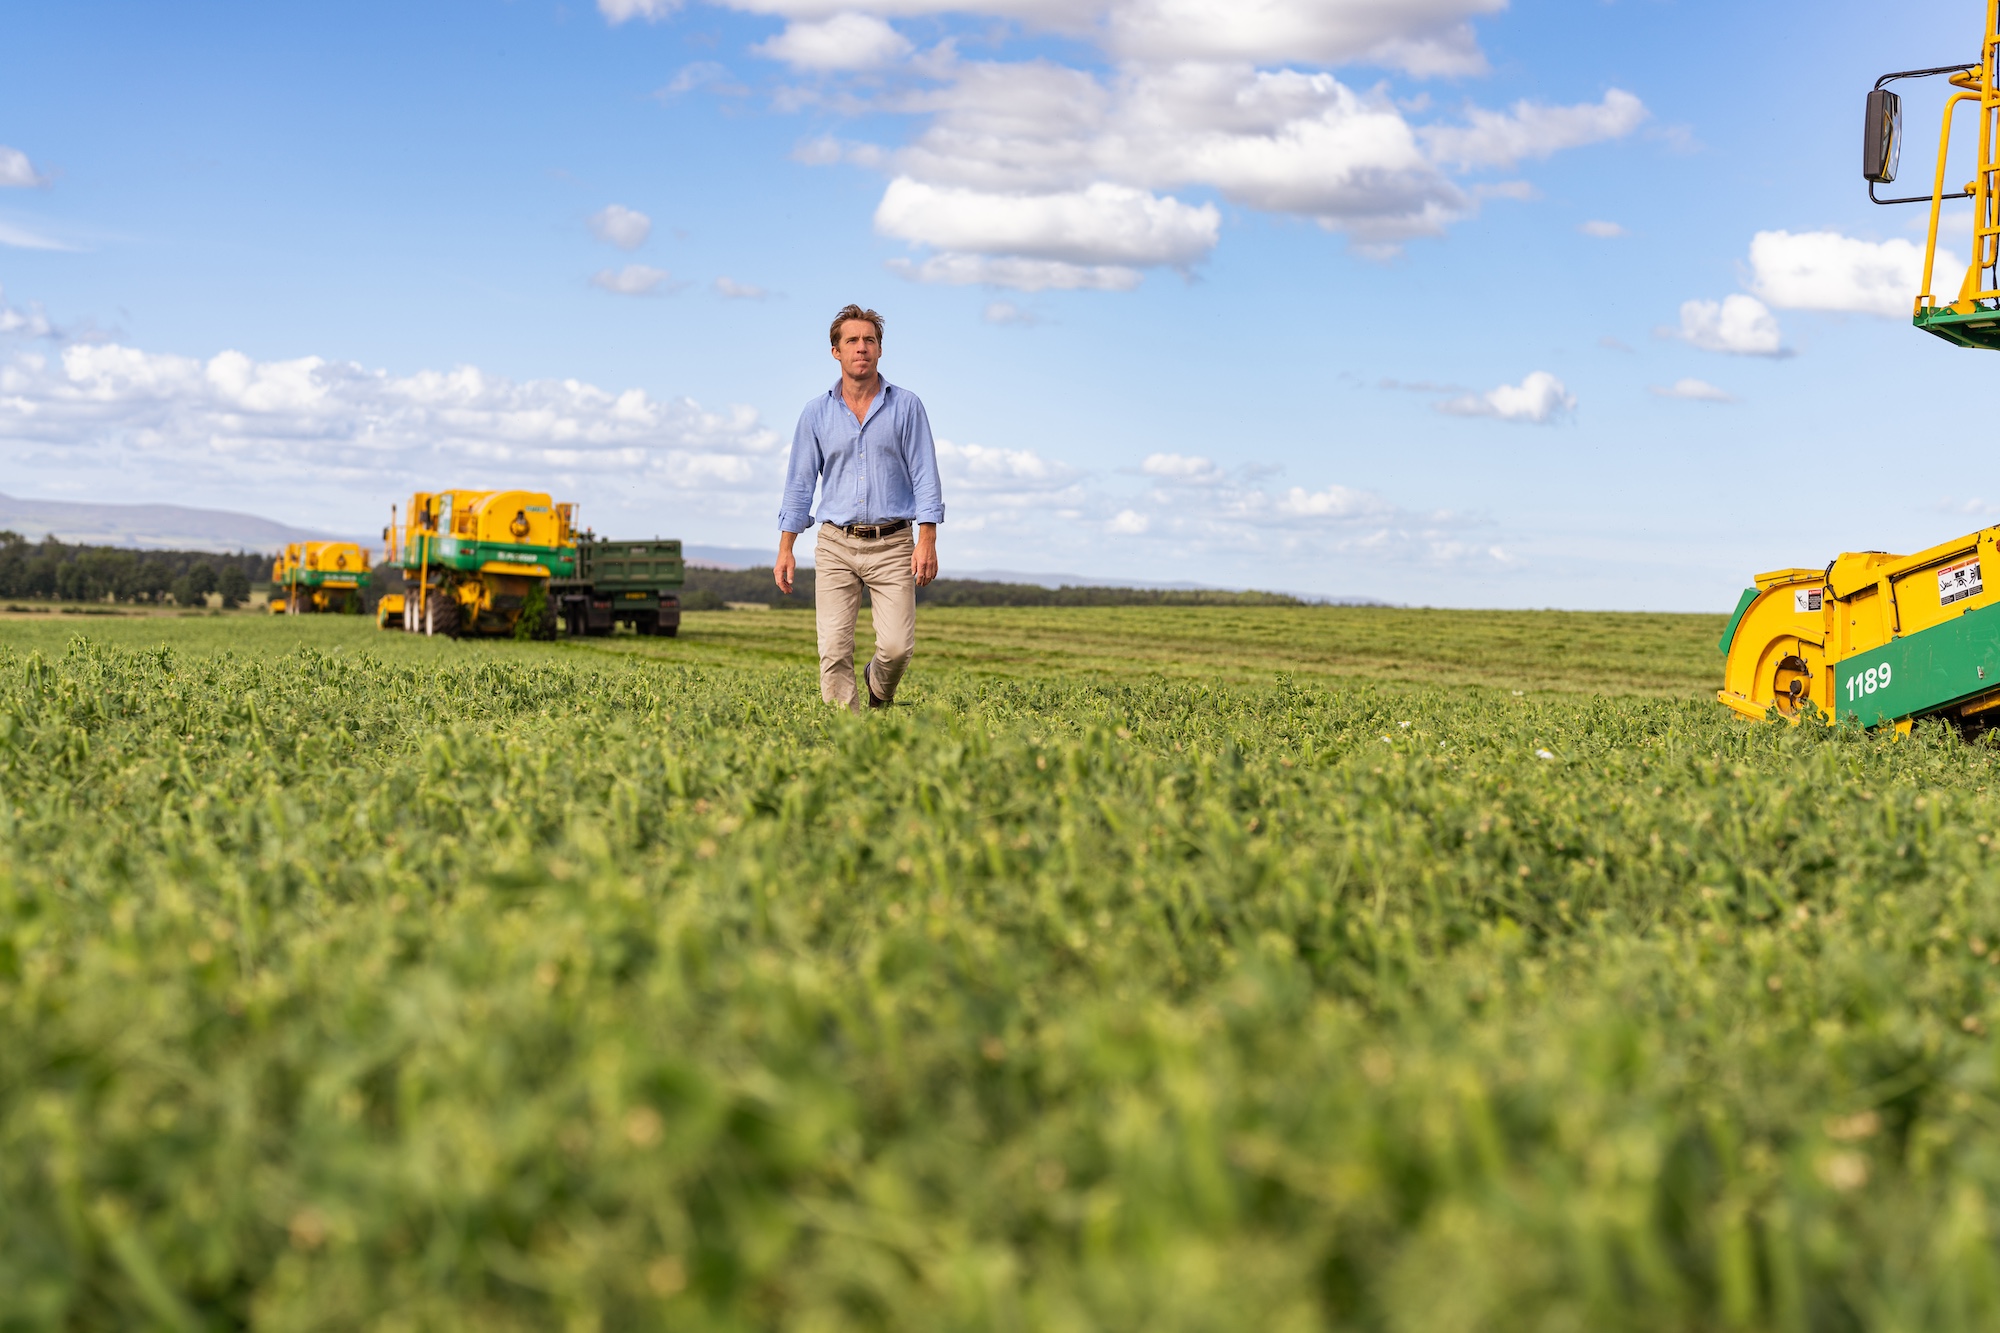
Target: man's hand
{"type": "Point", "coordinates": [923, 559]}
{"type": "Point", "coordinates": [787, 565]}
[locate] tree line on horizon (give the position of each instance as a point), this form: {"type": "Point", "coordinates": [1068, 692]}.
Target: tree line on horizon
{"type": "Point", "coordinates": [54, 570]}
{"type": "Point", "coordinates": [712, 589]}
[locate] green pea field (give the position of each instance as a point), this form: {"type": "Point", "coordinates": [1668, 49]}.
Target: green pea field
{"type": "Point", "coordinates": [1247, 968]}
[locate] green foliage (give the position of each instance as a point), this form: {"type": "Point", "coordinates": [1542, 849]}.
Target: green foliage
{"type": "Point", "coordinates": [193, 587]}
{"type": "Point", "coordinates": [51, 569]}
{"type": "Point", "coordinates": [976, 592]}
{"type": "Point", "coordinates": [711, 589]}
{"type": "Point", "coordinates": [536, 621]}
{"type": "Point", "coordinates": [353, 978]}
{"type": "Point", "coordinates": [234, 585]}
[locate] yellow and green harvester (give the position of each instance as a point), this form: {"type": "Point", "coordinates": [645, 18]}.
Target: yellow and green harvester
{"type": "Point", "coordinates": [1872, 638]}
{"type": "Point", "coordinates": [1972, 319]}
{"type": "Point", "coordinates": [318, 577]}
{"type": "Point", "coordinates": [474, 562]}
{"type": "Point", "coordinates": [1876, 638]}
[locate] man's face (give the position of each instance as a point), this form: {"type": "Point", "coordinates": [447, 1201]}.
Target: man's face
{"type": "Point", "coordinates": [860, 348]}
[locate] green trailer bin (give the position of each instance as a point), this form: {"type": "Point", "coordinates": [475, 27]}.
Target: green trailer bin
{"type": "Point", "coordinates": [636, 582]}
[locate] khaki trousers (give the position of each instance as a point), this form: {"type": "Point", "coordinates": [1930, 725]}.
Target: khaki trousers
{"type": "Point", "coordinates": [842, 567]}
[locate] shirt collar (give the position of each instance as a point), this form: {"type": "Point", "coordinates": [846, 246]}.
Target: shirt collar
{"type": "Point", "coordinates": [834, 392]}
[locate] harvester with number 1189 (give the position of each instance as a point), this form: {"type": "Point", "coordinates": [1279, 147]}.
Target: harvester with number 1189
{"type": "Point", "coordinates": [1884, 639]}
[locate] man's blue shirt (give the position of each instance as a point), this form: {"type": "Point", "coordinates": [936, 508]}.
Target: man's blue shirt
{"type": "Point", "coordinates": [873, 471]}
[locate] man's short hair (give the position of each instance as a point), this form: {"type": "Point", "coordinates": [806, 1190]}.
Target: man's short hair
{"type": "Point", "coordinates": [848, 312]}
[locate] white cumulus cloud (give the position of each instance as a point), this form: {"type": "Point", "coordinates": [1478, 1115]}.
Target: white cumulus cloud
{"type": "Point", "coordinates": [845, 41]}
{"type": "Point", "coordinates": [1532, 130]}
{"type": "Point", "coordinates": [1024, 275]}
{"type": "Point", "coordinates": [1276, 141]}
{"type": "Point", "coordinates": [618, 11]}
{"type": "Point", "coordinates": [698, 74]}
{"type": "Point", "coordinates": [1700, 391]}
{"type": "Point", "coordinates": [17, 171]}
{"type": "Point", "coordinates": [632, 280]}
{"type": "Point", "coordinates": [1340, 502]}
{"type": "Point", "coordinates": [998, 485]}
{"type": "Point", "coordinates": [1824, 270]}
{"type": "Point", "coordinates": [333, 427]}
{"type": "Point", "coordinates": [1741, 325]}
{"type": "Point", "coordinates": [732, 290]}
{"type": "Point", "coordinates": [1539, 399]}
{"type": "Point", "coordinates": [29, 323]}
{"type": "Point", "coordinates": [1006, 312]}
{"type": "Point", "coordinates": [1222, 514]}
{"type": "Point", "coordinates": [1603, 231]}
{"type": "Point", "coordinates": [626, 228]}
{"type": "Point", "coordinates": [1424, 37]}
{"type": "Point", "coordinates": [1099, 224]}
{"type": "Point", "coordinates": [1182, 469]}
{"type": "Point", "coordinates": [1066, 172]}
{"type": "Point", "coordinates": [988, 468]}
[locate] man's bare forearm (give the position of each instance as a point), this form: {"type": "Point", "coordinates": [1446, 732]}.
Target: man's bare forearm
{"type": "Point", "coordinates": [923, 557]}
{"type": "Point", "coordinates": [785, 569]}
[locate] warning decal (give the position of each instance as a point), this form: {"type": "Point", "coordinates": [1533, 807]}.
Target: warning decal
{"type": "Point", "coordinates": [1807, 599]}
{"type": "Point", "coordinates": [1958, 582]}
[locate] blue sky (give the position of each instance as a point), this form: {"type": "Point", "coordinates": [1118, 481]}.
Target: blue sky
{"type": "Point", "coordinates": [1277, 293]}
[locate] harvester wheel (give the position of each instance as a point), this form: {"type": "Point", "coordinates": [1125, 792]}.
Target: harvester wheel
{"type": "Point", "coordinates": [442, 616]}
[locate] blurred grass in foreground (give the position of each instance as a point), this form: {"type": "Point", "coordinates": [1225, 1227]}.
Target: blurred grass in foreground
{"type": "Point", "coordinates": [356, 979]}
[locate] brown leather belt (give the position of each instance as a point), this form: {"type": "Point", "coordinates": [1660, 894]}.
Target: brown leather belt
{"type": "Point", "coordinates": [870, 531]}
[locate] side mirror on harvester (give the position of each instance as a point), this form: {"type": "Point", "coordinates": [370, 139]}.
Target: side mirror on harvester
{"type": "Point", "coordinates": [1882, 137]}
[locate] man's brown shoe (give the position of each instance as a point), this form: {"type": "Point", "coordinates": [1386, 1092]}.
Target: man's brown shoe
{"type": "Point", "coordinates": [868, 677]}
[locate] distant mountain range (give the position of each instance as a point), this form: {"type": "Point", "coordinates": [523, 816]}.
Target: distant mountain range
{"type": "Point", "coordinates": [151, 527]}
{"type": "Point", "coordinates": [179, 528]}
{"type": "Point", "coordinates": [730, 557]}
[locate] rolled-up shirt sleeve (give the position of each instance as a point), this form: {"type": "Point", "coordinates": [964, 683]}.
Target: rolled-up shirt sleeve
{"type": "Point", "coordinates": [920, 454]}
{"type": "Point", "coordinates": [801, 475]}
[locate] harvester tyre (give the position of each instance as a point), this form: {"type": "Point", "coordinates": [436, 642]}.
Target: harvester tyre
{"type": "Point", "coordinates": [442, 617]}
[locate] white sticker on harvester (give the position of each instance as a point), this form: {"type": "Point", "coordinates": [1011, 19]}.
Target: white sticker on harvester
{"type": "Point", "coordinates": [1958, 582]}
{"type": "Point", "coordinates": [1808, 599]}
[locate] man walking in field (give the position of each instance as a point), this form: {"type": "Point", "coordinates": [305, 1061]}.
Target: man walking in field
{"type": "Point", "coordinates": [867, 445]}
